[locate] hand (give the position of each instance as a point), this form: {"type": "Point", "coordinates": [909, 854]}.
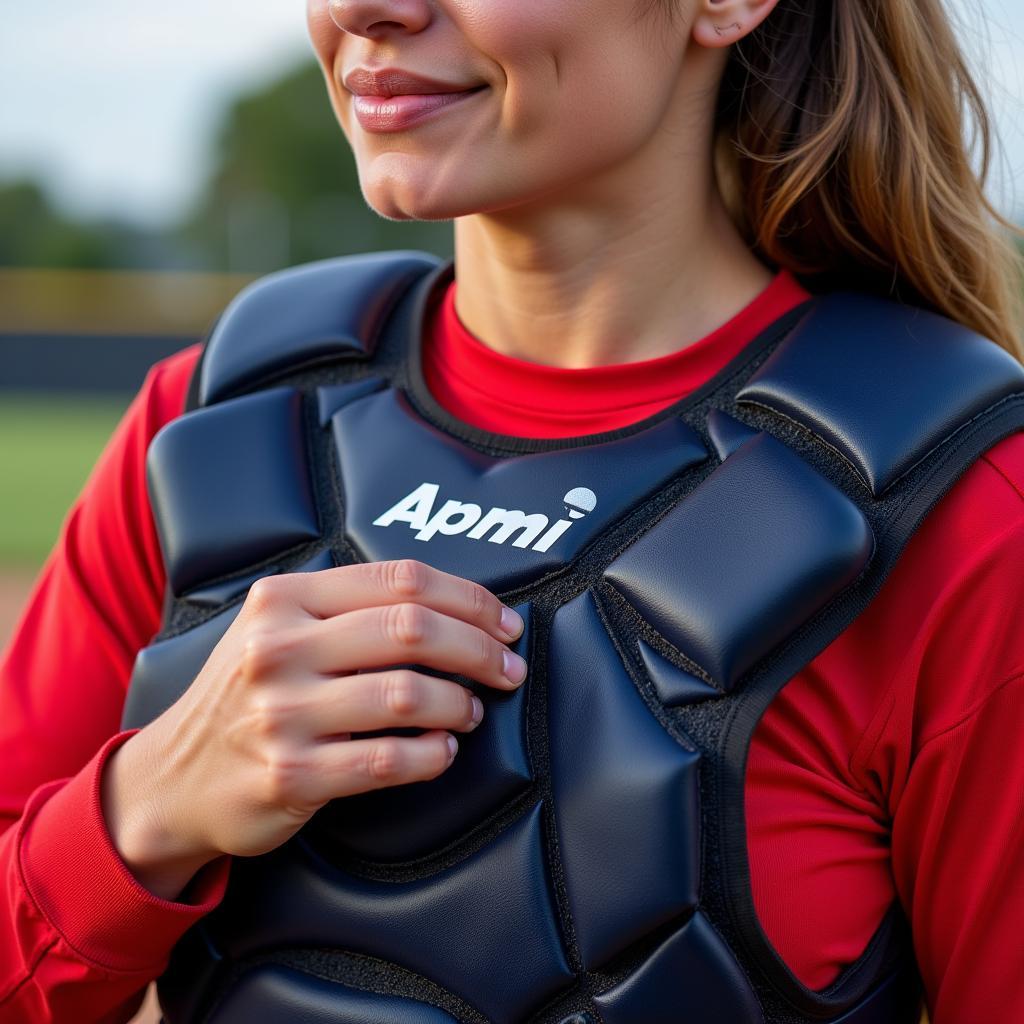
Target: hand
{"type": "Point", "coordinates": [261, 739]}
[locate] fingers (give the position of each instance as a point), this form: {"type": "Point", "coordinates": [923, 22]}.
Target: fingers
{"type": "Point", "coordinates": [406, 633]}
{"type": "Point", "coordinates": [346, 767]}
{"type": "Point", "coordinates": [332, 592]}
{"type": "Point", "coordinates": [379, 700]}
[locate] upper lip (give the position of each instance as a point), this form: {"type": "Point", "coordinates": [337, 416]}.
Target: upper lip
{"type": "Point", "coordinates": [396, 82]}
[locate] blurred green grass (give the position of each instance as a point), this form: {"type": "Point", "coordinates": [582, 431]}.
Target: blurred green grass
{"type": "Point", "coordinates": [48, 446]}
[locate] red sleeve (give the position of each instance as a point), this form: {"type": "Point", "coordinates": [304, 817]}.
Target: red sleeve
{"type": "Point", "coordinates": [80, 938]}
{"type": "Point", "coordinates": [892, 766]}
{"type": "Point", "coordinates": [958, 807]}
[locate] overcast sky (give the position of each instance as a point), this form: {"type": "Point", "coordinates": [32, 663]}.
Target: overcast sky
{"type": "Point", "coordinates": [112, 102]}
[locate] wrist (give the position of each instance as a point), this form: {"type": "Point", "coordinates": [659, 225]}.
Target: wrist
{"type": "Point", "coordinates": [161, 860]}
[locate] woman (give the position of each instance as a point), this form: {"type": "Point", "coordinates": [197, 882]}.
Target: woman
{"type": "Point", "coordinates": [610, 272]}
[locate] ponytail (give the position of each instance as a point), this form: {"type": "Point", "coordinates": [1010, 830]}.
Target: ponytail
{"type": "Point", "coordinates": [843, 157]}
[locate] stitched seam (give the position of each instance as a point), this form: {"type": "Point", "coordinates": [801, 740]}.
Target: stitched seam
{"type": "Point", "coordinates": [31, 971]}
{"type": "Point", "coordinates": [971, 712]}
{"type": "Point", "coordinates": [1013, 485]}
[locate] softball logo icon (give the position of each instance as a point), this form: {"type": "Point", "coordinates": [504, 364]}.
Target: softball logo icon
{"type": "Point", "coordinates": [579, 501]}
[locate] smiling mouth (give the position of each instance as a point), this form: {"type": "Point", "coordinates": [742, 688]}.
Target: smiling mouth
{"type": "Point", "coordinates": [401, 111]}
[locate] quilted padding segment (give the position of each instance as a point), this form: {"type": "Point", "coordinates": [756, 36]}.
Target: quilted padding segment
{"type": "Point", "coordinates": [674, 685]}
{"type": "Point", "coordinates": [690, 977]}
{"type": "Point", "coordinates": [219, 506]}
{"type": "Point", "coordinates": [279, 995]}
{"type": "Point", "coordinates": [626, 797]}
{"type": "Point", "coordinates": [331, 397]}
{"type": "Point", "coordinates": [403, 822]}
{"type": "Point", "coordinates": [328, 309]}
{"type": "Point", "coordinates": [441, 926]}
{"type": "Point", "coordinates": [165, 670]}
{"type": "Point", "coordinates": [728, 433]}
{"type": "Point", "coordinates": [880, 382]}
{"type": "Point", "coordinates": [726, 589]}
{"type": "Point", "coordinates": [502, 521]}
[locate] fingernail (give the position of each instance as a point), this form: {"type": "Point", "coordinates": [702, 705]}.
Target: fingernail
{"type": "Point", "coordinates": [478, 709]}
{"type": "Point", "coordinates": [513, 666]}
{"type": "Point", "coordinates": [511, 622]}
{"type": "Point", "coordinates": [453, 746]}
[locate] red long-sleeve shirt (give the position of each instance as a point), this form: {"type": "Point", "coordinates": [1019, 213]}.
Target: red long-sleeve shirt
{"type": "Point", "coordinates": [890, 767]}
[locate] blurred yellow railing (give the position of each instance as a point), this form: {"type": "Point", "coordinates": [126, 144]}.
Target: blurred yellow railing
{"type": "Point", "coordinates": [113, 302]}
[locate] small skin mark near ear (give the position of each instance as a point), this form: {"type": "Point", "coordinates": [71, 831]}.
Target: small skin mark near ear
{"type": "Point", "coordinates": [728, 28]}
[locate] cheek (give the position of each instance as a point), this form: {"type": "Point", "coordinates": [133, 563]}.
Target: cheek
{"type": "Point", "coordinates": [584, 83]}
{"type": "Point", "coordinates": [323, 33]}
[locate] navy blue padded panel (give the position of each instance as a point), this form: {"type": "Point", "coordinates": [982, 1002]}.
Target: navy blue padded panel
{"type": "Point", "coordinates": [674, 685]}
{"type": "Point", "coordinates": [216, 594]}
{"type": "Point", "coordinates": [193, 969]}
{"type": "Point", "coordinates": [541, 487]}
{"type": "Point", "coordinates": [328, 309]}
{"type": "Point", "coordinates": [165, 670]}
{"type": "Point", "coordinates": [920, 374]}
{"type": "Point", "coordinates": [331, 397]}
{"type": "Point", "coordinates": [320, 561]}
{"type": "Point", "coordinates": [626, 795]}
{"type": "Point", "coordinates": [690, 977]}
{"type": "Point", "coordinates": [727, 432]}
{"type": "Point", "coordinates": [725, 590]}
{"type": "Point", "coordinates": [202, 463]}
{"type": "Point", "coordinates": [403, 822]}
{"type": "Point", "coordinates": [278, 995]}
{"type": "Point", "coordinates": [441, 926]}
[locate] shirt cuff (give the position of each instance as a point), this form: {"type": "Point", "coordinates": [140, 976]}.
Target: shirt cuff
{"type": "Point", "coordinates": [74, 874]}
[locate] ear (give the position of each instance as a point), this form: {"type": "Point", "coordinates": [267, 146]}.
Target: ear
{"type": "Point", "coordinates": [722, 22]}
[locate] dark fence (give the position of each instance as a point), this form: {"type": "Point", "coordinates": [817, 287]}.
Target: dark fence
{"type": "Point", "coordinates": [84, 364]}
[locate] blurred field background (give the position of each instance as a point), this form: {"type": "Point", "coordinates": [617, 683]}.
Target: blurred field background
{"type": "Point", "coordinates": [155, 159]}
{"type": "Point", "coordinates": [88, 303]}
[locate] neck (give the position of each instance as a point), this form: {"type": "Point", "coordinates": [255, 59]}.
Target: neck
{"type": "Point", "coordinates": [634, 265]}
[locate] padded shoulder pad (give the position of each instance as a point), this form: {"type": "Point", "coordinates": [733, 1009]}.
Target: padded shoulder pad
{"type": "Point", "coordinates": [331, 308]}
{"type": "Point", "coordinates": [882, 383]}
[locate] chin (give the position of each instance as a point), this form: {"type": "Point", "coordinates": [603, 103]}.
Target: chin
{"type": "Point", "coordinates": [402, 201]}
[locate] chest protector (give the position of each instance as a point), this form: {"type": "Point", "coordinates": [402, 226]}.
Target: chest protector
{"type": "Point", "coordinates": [583, 861]}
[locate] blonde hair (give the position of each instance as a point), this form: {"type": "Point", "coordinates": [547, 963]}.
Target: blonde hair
{"type": "Point", "coordinates": [844, 156]}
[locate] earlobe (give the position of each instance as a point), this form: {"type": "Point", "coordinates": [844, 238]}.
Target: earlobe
{"type": "Point", "coordinates": [723, 22]}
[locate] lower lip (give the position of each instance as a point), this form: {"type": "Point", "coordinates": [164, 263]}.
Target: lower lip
{"type": "Point", "coordinates": [396, 113]}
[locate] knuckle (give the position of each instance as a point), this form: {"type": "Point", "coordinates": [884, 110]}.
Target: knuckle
{"type": "Point", "coordinates": [402, 692]}
{"type": "Point", "coordinates": [270, 715]}
{"type": "Point", "coordinates": [282, 773]}
{"type": "Point", "coordinates": [489, 654]}
{"type": "Point", "coordinates": [264, 594]}
{"type": "Point", "coordinates": [406, 623]}
{"type": "Point", "coordinates": [264, 719]}
{"type": "Point", "coordinates": [264, 650]}
{"type": "Point", "coordinates": [479, 602]}
{"type": "Point", "coordinates": [384, 760]}
{"type": "Point", "coordinates": [407, 577]}
{"type": "Point", "coordinates": [256, 653]}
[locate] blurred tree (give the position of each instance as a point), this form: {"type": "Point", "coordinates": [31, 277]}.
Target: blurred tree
{"type": "Point", "coordinates": [34, 234]}
{"type": "Point", "coordinates": [284, 187]}
{"type": "Point", "coordinates": [283, 190]}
